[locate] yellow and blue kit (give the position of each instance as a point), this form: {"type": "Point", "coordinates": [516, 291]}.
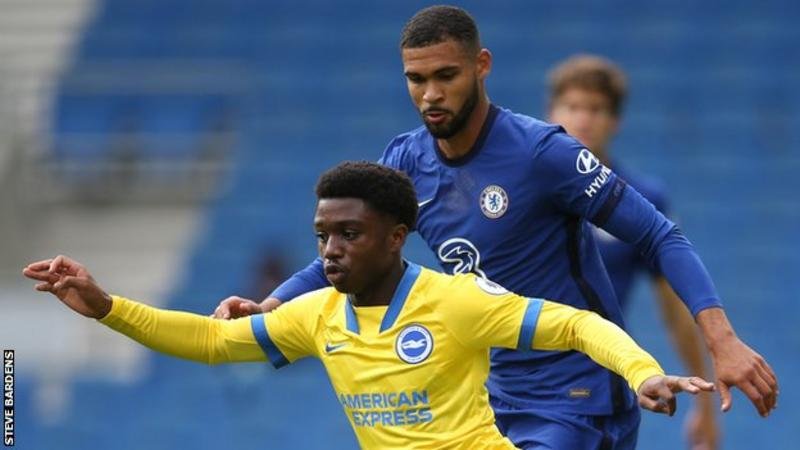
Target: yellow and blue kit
{"type": "Point", "coordinates": [410, 374]}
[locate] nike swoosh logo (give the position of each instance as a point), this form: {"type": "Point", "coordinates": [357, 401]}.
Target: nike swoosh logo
{"type": "Point", "coordinates": [423, 203]}
{"type": "Point", "coordinates": [329, 348]}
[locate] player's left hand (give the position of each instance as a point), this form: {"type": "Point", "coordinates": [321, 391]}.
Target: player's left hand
{"type": "Point", "coordinates": [736, 364]}
{"type": "Point", "coordinates": [658, 393]}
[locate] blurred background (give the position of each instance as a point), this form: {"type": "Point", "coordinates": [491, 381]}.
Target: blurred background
{"type": "Point", "coordinates": [172, 147]}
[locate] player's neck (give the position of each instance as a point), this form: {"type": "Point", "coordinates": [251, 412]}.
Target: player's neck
{"type": "Point", "coordinates": [381, 293]}
{"type": "Point", "coordinates": [463, 141]}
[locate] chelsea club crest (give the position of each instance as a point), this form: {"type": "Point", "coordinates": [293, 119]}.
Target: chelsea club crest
{"type": "Point", "coordinates": [494, 201]}
{"type": "Point", "coordinates": [414, 344]}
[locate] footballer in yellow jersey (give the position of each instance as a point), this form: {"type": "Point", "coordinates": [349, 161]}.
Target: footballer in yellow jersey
{"type": "Point", "coordinates": [406, 348]}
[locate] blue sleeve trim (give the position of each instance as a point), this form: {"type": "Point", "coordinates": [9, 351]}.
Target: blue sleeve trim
{"type": "Point", "coordinates": [529, 320]}
{"type": "Point", "coordinates": [262, 337]}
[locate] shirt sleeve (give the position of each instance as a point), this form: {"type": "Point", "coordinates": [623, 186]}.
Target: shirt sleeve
{"type": "Point", "coordinates": [664, 247]}
{"type": "Point", "coordinates": [575, 180]}
{"type": "Point", "coordinates": [393, 156]}
{"type": "Point", "coordinates": [288, 333]}
{"type": "Point", "coordinates": [485, 314]}
{"type": "Point", "coordinates": [184, 335]}
{"type": "Point", "coordinates": [311, 278]}
{"type": "Point", "coordinates": [656, 194]}
{"type": "Point", "coordinates": [580, 185]}
{"type": "Point", "coordinates": [281, 336]}
{"type": "Point", "coordinates": [562, 327]}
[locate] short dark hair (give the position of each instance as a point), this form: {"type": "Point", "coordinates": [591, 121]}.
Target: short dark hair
{"type": "Point", "coordinates": [385, 190]}
{"type": "Point", "coordinates": [436, 24]}
{"type": "Point", "coordinates": [592, 73]}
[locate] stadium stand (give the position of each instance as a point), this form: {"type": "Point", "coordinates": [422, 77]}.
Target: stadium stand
{"type": "Point", "coordinates": [268, 94]}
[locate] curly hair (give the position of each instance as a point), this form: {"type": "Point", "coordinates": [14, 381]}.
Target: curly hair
{"type": "Point", "coordinates": [385, 190]}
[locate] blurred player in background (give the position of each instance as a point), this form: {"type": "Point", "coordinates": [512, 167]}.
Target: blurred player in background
{"type": "Point", "coordinates": [510, 198]}
{"type": "Point", "coordinates": [406, 348]}
{"type": "Point", "coordinates": [586, 97]}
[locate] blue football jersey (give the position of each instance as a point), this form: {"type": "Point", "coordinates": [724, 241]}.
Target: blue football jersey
{"type": "Point", "coordinates": [622, 260]}
{"type": "Point", "coordinates": [516, 209]}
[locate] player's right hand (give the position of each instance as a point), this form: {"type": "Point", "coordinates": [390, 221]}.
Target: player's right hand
{"type": "Point", "coordinates": [235, 307]}
{"type": "Point", "coordinates": [657, 393]}
{"type": "Point", "coordinates": [69, 280]}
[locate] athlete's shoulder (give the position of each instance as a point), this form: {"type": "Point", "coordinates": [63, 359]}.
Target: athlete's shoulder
{"type": "Point", "coordinates": [510, 121]}
{"type": "Point", "coordinates": [448, 286]}
{"type": "Point", "coordinates": [529, 133]}
{"type": "Point", "coordinates": [315, 302]}
{"type": "Point", "coordinates": [549, 144]}
{"type": "Point", "coordinates": [405, 148]}
{"type": "Point", "coordinates": [434, 284]}
{"type": "Point", "coordinates": [510, 118]}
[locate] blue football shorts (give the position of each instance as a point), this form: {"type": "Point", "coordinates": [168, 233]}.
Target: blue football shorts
{"type": "Point", "coordinates": [536, 428]}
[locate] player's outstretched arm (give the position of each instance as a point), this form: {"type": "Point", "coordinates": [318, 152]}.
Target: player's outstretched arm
{"type": "Point", "coordinates": [180, 334]}
{"type": "Point", "coordinates": [635, 220]}
{"type": "Point", "coordinates": [71, 283]}
{"type": "Point", "coordinates": [561, 327]}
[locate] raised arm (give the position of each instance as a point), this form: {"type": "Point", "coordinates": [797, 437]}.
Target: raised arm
{"type": "Point", "coordinates": [582, 186]}
{"type": "Point", "coordinates": [179, 334]}
{"type": "Point", "coordinates": [185, 335]}
{"type": "Point", "coordinates": [735, 364]}
{"type": "Point", "coordinates": [485, 315]}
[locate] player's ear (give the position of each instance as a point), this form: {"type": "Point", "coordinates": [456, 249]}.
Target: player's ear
{"type": "Point", "coordinates": [397, 237]}
{"type": "Point", "coordinates": [484, 63]}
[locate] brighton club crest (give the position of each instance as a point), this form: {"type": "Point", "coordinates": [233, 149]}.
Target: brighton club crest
{"type": "Point", "coordinates": [414, 344]}
{"type": "Point", "coordinates": [494, 201]}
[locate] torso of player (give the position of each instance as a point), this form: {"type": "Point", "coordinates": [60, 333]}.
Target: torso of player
{"type": "Point", "coordinates": [490, 213]}
{"type": "Point", "coordinates": [409, 383]}
{"type": "Point", "coordinates": [473, 220]}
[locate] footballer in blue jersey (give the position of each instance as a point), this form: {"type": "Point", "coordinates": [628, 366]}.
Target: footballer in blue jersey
{"type": "Point", "coordinates": [512, 198]}
{"type": "Point", "coordinates": [586, 95]}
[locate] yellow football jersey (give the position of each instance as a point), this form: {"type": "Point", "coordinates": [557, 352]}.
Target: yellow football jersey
{"type": "Point", "coordinates": [410, 374]}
